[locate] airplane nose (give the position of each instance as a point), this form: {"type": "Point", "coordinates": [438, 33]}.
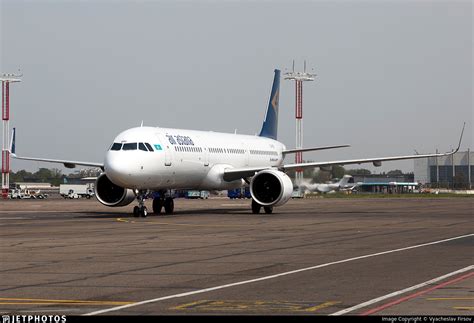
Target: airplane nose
{"type": "Point", "coordinates": [117, 169]}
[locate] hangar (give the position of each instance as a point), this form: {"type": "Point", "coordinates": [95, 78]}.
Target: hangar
{"type": "Point", "coordinates": [454, 172]}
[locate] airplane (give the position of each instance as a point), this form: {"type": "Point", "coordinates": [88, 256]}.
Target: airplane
{"type": "Point", "coordinates": [343, 184]}
{"type": "Point", "coordinates": [144, 159]}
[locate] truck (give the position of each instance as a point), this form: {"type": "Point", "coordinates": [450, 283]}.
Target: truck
{"type": "Point", "coordinates": [197, 194]}
{"type": "Point", "coordinates": [17, 193]}
{"type": "Point", "coordinates": [72, 191]}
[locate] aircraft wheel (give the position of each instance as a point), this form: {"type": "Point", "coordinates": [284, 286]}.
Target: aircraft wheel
{"type": "Point", "coordinates": [157, 205]}
{"type": "Point", "coordinates": [144, 212]}
{"type": "Point", "coordinates": [136, 211]}
{"type": "Point", "coordinates": [268, 209]}
{"type": "Point", "coordinates": [255, 207]}
{"type": "Point", "coordinates": [169, 205]}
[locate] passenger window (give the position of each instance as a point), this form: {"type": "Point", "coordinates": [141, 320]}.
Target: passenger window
{"type": "Point", "coordinates": [130, 146]}
{"type": "Point", "coordinates": [148, 146]}
{"type": "Point", "coordinates": [116, 146]}
{"type": "Point", "coordinates": [141, 146]}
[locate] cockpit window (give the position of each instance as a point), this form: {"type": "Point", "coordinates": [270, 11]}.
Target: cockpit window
{"type": "Point", "coordinates": [130, 146]}
{"type": "Point", "coordinates": [148, 146]}
{"type": "Point", "coordinates": [141, 146]}
{"type": "Point", "coordinates": [116, 146]}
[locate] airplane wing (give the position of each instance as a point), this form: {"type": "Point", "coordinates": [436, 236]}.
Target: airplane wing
{"type": "Point", "coordinates": [292, 151]}
{"type": "Point", "coordinates": [377, 161]}
{"type": "Point", "coordinates": [66, 163]}
{"type": "Point", "coordinates": [232, 174]}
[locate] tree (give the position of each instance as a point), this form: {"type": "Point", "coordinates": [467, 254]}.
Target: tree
{"type": "Point", "coordinates": [460, 182]}
{"type": "Point", "coordinates": [395, 172]}
{"type": "Point", "coordinates": [321, 176]}
{"type": "Point", "coordinates": [359, 171]}
{"type": "Point", "coordinates": [43, 175]}
{"type": "Point", "coordinates": [337, 171]}
{"type": "Point", "coordinates": [20, 176]}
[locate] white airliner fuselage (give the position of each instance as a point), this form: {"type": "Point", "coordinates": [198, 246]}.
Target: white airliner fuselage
{"type": "Point", "coordinates": [182, 159]}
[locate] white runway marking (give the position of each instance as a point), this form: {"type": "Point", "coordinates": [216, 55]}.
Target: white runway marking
{"type": "Point", "coordinates": [381, 298]}
{"type": "Point", "coordinates": [200, 291]}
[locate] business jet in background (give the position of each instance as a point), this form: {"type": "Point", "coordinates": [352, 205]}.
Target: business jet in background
{"type": "Point", "coordinates": [346, 183]}
{"type": "Point", "coordinates": [145, 159]}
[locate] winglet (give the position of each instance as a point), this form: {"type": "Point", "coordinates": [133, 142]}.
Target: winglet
{"type": "Point", "coordinates": [12, 143]}
{"type": "Point", "coordinates": [460, 138]}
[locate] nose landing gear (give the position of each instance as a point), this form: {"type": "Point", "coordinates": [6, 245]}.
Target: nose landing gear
{"type": "Point", "coordinates": [141, 210]}
{"type": "Point", "coordinates": [163, 200]}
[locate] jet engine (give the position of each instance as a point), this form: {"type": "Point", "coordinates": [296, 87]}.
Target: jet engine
{"type": "Point", "coordinates": [110, 194]}
{"type": "Point", "coordinates": [271, 187]}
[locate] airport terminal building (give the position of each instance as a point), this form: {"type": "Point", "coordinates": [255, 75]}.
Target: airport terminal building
{"type": "Point", "coordinates": [455, 171]}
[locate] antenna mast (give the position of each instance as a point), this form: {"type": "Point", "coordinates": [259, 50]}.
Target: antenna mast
{"type": "Point", "coordinates": [299, 78]}
{"type": "Point", "coordinates": [6, 79]}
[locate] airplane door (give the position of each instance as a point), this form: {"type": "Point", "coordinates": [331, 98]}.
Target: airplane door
{"type": "Point", "coordinates": [206, 156]}
{"type": "Point", "coordinates": [247, 153]}
{"type": "Point", "coordinates": [166, 147]}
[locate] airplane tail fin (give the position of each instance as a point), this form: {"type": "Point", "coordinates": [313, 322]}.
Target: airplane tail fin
{"type": "Point", "coordinates": [345, 180]}
{"type": "Point", "coordinates": [270, 124]}
{"type": "Point", "coordinates": [12, 143]}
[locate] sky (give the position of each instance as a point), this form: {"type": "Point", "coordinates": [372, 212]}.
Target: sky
{"type": "Point", "coordinates": [392, 76]}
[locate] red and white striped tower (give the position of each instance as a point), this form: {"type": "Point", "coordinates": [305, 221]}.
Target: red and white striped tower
{"type": "Point", "coordinates": [299, 78]}
{"type": "Point", "coordinates": [6, 80]}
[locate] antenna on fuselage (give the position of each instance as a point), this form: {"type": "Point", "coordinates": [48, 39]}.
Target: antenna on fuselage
{"type": "Point", "coordinates": [141, 125]}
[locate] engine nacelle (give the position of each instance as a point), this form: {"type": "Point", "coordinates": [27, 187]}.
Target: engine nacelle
{"type": "Point", "coordinates": [271, 187]}
{"type": "Point", "coordinates": [110, 194]}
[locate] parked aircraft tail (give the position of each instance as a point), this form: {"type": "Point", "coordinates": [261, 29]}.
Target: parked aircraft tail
{"type": "Point", "coordinates": [345, 181]}
{"type": "Point", "coordinates": [12, 143]}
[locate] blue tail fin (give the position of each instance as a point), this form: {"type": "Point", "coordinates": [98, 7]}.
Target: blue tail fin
{"type": "Point", "coordinates": [270, 125]}
{"type": "Point", "coordinates": [12, 143]}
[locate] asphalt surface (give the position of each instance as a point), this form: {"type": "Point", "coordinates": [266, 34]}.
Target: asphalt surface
{"type": "Point", "coordinates": [312, 257]}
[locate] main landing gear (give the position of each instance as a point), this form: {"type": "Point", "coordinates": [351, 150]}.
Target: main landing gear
{"type": "Point", "coordinates": [256, 208]}
{"type": "Point", "coordinates": [163, 202]}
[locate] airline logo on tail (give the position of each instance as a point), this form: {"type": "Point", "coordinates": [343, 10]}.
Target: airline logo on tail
{"type": "Point", "coordinates": [275, 100]}
{"type": "Point", "coordinates": [270, 124]}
